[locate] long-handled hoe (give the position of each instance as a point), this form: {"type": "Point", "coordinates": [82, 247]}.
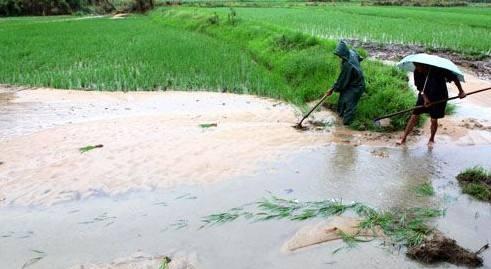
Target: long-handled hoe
{"type": "Point", "coordinates": [377, 120]}
{"type": "Point", "coordinates": [299, 125]}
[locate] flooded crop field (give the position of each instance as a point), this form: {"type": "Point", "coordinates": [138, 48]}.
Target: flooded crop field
{"type": "Point", "coordinates": [61, 208]}
{"type": "Point", "coordinates": [151, 134]}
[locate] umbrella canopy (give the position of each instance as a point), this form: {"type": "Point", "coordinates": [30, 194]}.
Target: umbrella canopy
{"type": "Point", "coordinates": [423, 58]}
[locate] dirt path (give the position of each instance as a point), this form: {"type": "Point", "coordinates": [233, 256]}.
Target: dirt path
{"type": "Point", "coordinates": [481, 66]}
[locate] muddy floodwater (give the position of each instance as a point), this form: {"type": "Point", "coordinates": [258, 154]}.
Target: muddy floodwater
{"type": "Point", "coordinates": [143, 195]}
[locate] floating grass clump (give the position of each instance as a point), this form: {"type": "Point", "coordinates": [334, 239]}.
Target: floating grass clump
{"type": "Point", "coordinates": [208, 125]}
{"type": "Point", "coordinates": [164, 263]}
{"type": "Point", "coordinates": [425, 189]}
{"type": "Point", "coordinates": [89, 148]}
{"type": "Point", "coordinates": [406, 227]}
{"type": "Point", "coordinates": [476, 181]}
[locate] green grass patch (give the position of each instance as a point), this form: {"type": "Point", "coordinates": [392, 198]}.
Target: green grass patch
{"type": "Point", "coordinates": [164, 263]}
{"type": "Point", "coordinates": [89, 148]}
{"type": "Point", "coordinates": [476, 181]}
{"type": "Point", "coordinates": [208, 125]}
{"type": "Point", "coordinates": [450, 109]}
{"type": "Point", "coordinates": [425, 189]}
{"type": "Point", "coordinates": [351, 241]}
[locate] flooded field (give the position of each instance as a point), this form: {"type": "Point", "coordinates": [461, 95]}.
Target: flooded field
{"type": "Point", "coordinates": [143, 195]}
{"type": "Point", "coordinates": [102, 229]}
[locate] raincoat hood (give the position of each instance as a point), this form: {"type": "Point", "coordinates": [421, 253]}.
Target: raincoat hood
{"type": "Point", "coordinates": [350, 83]}
{"type": "Point", "coordinates": [342, 50]}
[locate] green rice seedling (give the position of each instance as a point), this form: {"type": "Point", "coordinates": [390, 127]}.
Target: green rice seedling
{"type": "Point", "coordinates": [276, 208]}
{"type": "Point", "coordinates": [425, 189]}
{"type": "Point", "coordinates": [474, 174]}
{"type": "Point", "coordinates": [351, 241]}
{"type": "Point", "coordinates": [404, 227]}
{"type": "Point", "coordinates": [164, 264]}
{"type": "Point", "coordinates": [476, 181]}
{"type": "Point", "coordinates": [207, 125]}
{"type": "Point", "coordinates": [450, 109]}
{"type": "Point", "coordinates": [480, 191]}
{"type": "Point", "coordinates": [89, 148]}
{"type": "Point", "coordinates": [224, 217]}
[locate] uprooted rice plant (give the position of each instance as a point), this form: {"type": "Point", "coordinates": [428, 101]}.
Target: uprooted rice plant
{"type": "Point", "coordinates": [476, 181]}
{"type": "Point", "coordinates": [404, 227]}
{"type": "Point", "coordinates": [401, 227]}
{"type": "Point", "coordinates": [424, 189]}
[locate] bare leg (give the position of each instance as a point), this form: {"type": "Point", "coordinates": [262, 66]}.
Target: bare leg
{"type": "Point", "coordinates": [409, 127]}
{"type": "Point", "coordinates": [434, 128]}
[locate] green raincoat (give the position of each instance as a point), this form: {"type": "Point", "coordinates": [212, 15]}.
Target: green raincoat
{"type": "Point", "coordinates": [350, 83]}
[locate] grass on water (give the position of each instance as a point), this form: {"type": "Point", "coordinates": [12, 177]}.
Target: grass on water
{"type": "Point", "coordinates": [425, 189]}
{"type": "Point", "coordinates": [89, 148]}
{"type": "Point", "coordinates": [407, 227]}
{"type": "Point", "coordinates": [476, 181]}
{"type": "Point", "coordinates": [164, 263]}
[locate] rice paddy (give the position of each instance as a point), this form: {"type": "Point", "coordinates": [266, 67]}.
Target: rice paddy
{"type": "Point", "coordinates": [462, 29]}
{"type": "Point", "coordinates": [283, 53]}
{"type": "Point", "coordinates": [129, 54]}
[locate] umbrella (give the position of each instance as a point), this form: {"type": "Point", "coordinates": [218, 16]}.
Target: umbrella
{"type": "Point", "coordinates": [423, 58]}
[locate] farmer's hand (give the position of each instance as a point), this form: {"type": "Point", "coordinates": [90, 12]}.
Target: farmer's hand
{"type": "Point", "coordinates": [426, 101]}
{"type": "Point", "coordinates": [329, 92]}
{"type": "Point", "coordinates": [462, 94]}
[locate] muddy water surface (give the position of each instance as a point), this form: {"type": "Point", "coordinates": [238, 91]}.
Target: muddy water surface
{"type": "Point", "coordinates": [159, 173]}
{"type": "Point", "coordinates": [102, 229]}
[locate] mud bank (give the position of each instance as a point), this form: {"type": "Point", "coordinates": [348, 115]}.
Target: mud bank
{"type": "Point", "coordinates": [480, 66]}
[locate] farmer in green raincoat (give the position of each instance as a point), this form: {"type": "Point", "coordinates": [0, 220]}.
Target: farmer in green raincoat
{"type": "Point", "coordinates": [350, 83]}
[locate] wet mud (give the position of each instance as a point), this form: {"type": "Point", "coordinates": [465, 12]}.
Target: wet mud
{"type": "Point", "coordinates": [438, 248]}
{"type": "Point", "coordinates": [480, 66]}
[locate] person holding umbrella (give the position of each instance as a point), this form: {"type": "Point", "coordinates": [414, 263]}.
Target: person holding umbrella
{"type": "Point", "coordinates": [431, 75]}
